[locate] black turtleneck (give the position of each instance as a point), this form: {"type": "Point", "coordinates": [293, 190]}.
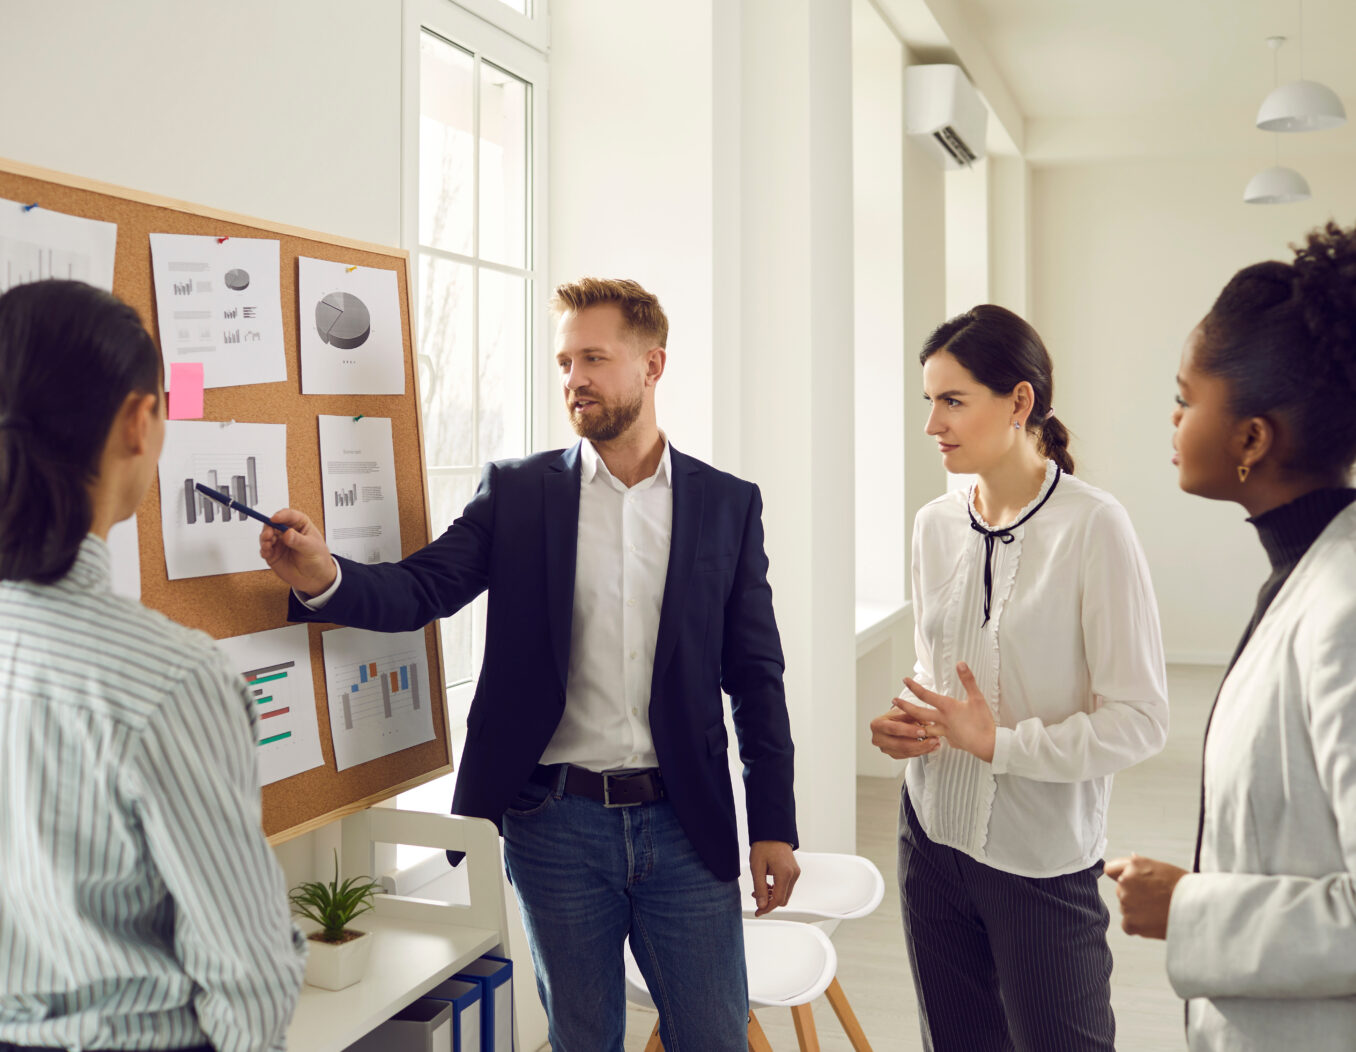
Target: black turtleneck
{"type": "Point", "coordinates": [1286, 533]}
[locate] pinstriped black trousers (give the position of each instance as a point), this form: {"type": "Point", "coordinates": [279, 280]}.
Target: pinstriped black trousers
{"type": "Point", "coordinates": [1003, 963]}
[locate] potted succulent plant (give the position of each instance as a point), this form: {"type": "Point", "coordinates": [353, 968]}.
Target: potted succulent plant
{"type": "Point", "coordinates": [338, 956]}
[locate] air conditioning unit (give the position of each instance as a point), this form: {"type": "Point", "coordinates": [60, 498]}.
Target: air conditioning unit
{"type": "Point", "coordinates": [943, 112]}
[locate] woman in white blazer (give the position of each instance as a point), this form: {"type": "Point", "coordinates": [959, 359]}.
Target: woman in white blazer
{"type": "Point", "coordinates": [1261, 933]}
{"type": "Point", "coordinates": [1040, 674]}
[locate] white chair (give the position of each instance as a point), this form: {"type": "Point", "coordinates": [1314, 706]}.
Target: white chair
{"type": "Point", "coordinates": [789, 965]}
{"type": "Point", "coordinates": [831, 887]}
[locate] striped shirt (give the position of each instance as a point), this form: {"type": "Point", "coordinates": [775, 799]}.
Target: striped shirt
{"type": "Point", "coordinates": [140, 906]}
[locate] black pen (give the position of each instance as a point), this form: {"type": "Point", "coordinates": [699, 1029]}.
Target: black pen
{"type": "Point", "coordinates": [244, 509]}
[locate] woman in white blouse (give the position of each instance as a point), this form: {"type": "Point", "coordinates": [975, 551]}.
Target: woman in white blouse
{"type": "Point", "coordinates": [1039, 674]}
{"type": "Point", "coordinates": [1261, 936]}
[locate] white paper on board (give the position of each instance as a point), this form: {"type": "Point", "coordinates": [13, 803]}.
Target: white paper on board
{"type": "Point", "coordinates": [124, 554]}
{"type": "Point", "coordinates": [248, 461]}
{"type": "Point", "coordinates": [218, 301]}
{"type": "Point", "coordinates": [377, 685]}
{"type": "Point", "coordinates": [37, 244]}
{"type": "Point", "coordinates": [357, 475]}
{"type": "Point", "coordinates": [276, 666]}
{"type": "Point", "coordinates": [351, 339]}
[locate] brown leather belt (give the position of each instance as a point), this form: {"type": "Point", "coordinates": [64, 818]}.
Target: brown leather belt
{"type": "Point", "coordinates": [626, 788]}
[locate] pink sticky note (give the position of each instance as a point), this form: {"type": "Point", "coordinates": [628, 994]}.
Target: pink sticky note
{"type": "Point", "coordinates": [185, 394]}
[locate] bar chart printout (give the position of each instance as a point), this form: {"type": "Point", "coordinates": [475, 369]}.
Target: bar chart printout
{"type": "Point", "coordinates": [276, 666]}
{"type": "Point", "coordinates": [247, 462]}
{"type": "Point", "coordinates": [378, 689]}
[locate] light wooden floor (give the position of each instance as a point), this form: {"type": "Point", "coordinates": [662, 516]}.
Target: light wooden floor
{"type": "Point", "coordinates": [1153, 811]}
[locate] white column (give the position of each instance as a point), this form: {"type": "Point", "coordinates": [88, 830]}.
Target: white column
{"type": "Point", "coordinates": [796, 374]}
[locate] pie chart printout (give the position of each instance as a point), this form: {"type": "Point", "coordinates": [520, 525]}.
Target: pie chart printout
{"type": "Point", "coordinates": [237, 279]}
{"type": "Point", "coordinates": [342, 320]}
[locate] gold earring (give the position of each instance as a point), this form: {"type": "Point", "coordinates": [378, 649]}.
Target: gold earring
{"type": "Point", "coordinates": [1243, 472]}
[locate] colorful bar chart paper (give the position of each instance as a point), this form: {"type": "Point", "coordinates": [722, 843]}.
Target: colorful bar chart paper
{"type": "Point", "coordinates": [276, 668]}
{"type": "Point", "coordinates": [377, 684]}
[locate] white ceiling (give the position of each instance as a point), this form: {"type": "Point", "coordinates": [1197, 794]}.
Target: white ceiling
{"type": "Point", "coordinates": [1111, 77]}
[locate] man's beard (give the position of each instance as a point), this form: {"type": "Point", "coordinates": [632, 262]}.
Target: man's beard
{"type": "Point", "coordinates": [606, 422]}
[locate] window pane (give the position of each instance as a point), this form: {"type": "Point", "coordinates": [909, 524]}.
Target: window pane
{"type": "Point", "coordinates": [503, 167]}
{"type": "Point", "coordinates": [448, 495]}
{"type": "Point", "coordinates": [446, 145]}
{"type": "Point", "coordinates": [523, 7]}
{"type": "Point", "coordinates": [503, 365]}
{"type": "Point", "coordinates": [446, 357]}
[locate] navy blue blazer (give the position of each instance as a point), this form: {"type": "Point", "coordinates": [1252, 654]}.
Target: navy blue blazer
{"type": "Point", "coordinates": [517, 538]}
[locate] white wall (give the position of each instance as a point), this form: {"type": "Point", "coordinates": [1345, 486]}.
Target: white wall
{"type": "Point", "coordinates": [1128, 257]}
{"type": "Point", "coordinates": [631, 180]}
{"type": "Point", "coordinates": [880, 357]}
{"type": "Point", "coordinates": [288, 112]}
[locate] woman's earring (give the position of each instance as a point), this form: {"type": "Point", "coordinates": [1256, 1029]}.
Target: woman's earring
{"type": "Point", "coordinates": [1016, 425]}
{"type": "Point", "coordinates": [1243, 472]}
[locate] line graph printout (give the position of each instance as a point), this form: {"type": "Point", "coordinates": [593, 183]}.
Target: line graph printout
{"type": "Point", "coordinates": [377, 683]}
{"type": "Point", "coordinates": [246, 461]}
{"type": "Point", "coordinates": [219, 302]}
{"type": "Point", "coordinates": [357, 475]}
{"type": "Point", "coordinates": [37, 244]}
{"type": "Point", "coordinates": [276, 666]}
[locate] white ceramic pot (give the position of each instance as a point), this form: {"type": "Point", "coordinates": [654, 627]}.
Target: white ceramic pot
{"type": "Point", "coordinates": [334, 966]}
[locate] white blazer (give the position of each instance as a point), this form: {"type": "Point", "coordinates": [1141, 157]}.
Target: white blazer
{"type": "Point", "coordinates": [1263, 940]}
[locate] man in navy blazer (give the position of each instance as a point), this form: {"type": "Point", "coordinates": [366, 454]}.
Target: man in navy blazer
{"type": "Point", "coordinates": [627, 591]}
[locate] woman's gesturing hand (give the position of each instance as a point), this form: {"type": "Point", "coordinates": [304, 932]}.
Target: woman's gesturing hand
{"type": "Point", "coordinates": [965, 722]}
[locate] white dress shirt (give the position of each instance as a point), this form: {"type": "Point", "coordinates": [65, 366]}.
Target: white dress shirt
{"type": "Point", "coordinates": [621, 564]}
{"type": "Point", "coordinates": [1071, 663]}
{"type": "Point", "coordinates": [140, 906]}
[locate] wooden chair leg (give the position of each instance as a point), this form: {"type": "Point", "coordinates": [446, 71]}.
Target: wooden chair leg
{"type": "Point", "coordinates": [758, 1041]}
{"type": "Point", "coordinates": [805, 1028]}
{"type": "Point", "coordinates": [843, 1010]}
{"type": "Point", "coordinates": [654, 1044]}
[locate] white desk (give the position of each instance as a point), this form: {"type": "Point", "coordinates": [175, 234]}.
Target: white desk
{"type": "Point", "coordinates": [419, 942]}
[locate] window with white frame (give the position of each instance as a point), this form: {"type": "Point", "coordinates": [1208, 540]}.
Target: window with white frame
{"type": "Point", "coordinates": [473, 215]}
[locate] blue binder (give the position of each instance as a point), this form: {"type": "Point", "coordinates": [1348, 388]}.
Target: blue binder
{"type": "Point", "coordinates": [464, 996]}
{"type": "Point", "coordinates": [492, 974]}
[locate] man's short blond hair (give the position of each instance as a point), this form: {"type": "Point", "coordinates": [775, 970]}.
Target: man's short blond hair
{"type": "Point", "coordinates": [642, 316]}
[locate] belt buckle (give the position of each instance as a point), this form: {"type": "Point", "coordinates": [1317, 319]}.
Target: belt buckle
{"type": "Point", "coordinates": [607, 793]}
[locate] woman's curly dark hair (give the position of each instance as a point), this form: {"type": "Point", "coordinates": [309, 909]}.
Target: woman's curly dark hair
{"type": "Point", "coordinates": [1283, 336]}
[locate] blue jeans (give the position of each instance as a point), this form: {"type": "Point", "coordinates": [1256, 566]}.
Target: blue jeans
{"type": "Point", "coordinates": [587, 877]}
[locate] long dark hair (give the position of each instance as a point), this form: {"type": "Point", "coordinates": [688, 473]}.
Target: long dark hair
{"type": "Point", "coordinates": [70, 354]}
{"type": "Point", "coordinates": [1000, 350]}
{"type": "Point", "coordinates": [1283, 337]}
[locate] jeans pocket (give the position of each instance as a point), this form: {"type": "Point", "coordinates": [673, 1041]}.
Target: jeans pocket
{"type": "Point", "coordinates": [532, 799]}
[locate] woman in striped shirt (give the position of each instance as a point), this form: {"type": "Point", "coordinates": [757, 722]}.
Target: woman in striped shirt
{"type": "Point", "coordinates": [140, 906]}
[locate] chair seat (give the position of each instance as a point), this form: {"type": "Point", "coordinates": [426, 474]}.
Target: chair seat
{"type": "Point", "coordinates": [830, 887]}
{"type": "Point", "coordinates": [788, 964]}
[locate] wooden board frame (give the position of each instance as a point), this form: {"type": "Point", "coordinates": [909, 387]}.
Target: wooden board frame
{"type": "Point", "coordinates": [235, 604]}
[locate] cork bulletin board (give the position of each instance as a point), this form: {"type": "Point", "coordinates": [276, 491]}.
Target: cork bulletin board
{"type": "Point", "coordinates": [238, 603]}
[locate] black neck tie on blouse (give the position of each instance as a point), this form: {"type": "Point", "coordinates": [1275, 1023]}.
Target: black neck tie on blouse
{"type": "Point", "coordinates": [1005, 535]}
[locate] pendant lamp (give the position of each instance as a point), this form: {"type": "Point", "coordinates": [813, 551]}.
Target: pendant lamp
{"type": "Point", "coordinates": [1303, 105]}
{"type": "Point", "coordinates": [1276, 185]}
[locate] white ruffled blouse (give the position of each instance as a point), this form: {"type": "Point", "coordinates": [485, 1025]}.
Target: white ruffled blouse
{"type": "Point", "coordinates": [1071, 662]}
